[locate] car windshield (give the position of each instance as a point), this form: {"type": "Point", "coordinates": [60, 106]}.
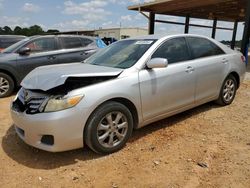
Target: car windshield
{"type": "Point", "coordinates": [122, 54]}
{"type": "Point", "coordinates": [13, 47]}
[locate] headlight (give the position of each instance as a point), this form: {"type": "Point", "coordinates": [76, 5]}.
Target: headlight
{"type": "Point", "coordinates": [61, 103]}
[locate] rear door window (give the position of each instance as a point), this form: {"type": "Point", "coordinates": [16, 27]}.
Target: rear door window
{"type": "Point", "coordinates": [174, 50]}
{"type": "Point", "coordinates": [201, 47]}
{"type": "Point", "coordinates": [85, 41]}
{"type": "Point", "coordinates": [70, 42]}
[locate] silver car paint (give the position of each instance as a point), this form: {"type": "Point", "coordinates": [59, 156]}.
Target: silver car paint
{"type": "Point", "coordinates": [166, 95]}
{"type": "Point", "coordinates": [152, 98]}
{"type": "Point", "coordinates": [60, 124]}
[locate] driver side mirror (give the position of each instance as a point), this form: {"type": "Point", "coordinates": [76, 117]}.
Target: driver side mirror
{"type": "Point", "coordinates": [157, 63]}
{"type": "Point", "coordinates": [24, 51]}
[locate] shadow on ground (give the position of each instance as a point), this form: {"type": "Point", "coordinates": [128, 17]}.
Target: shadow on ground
{"type": "Point", "coordinates": [31, 157]}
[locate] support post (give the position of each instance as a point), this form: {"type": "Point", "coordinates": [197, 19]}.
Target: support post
{"type": "Point", "coordinates": [234, 34]}
{"type": "Point", "coordinates": [151, 24]}
{"type": "Point", "coordinates": [246, 33]}
{"type": "Point", "coordinates": [187, 24]}
{"type": "Point", "coordinates": [214, 28]}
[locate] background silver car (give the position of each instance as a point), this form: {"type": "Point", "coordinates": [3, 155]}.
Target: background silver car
{"type": "Point", "coordinates": [123, 87]}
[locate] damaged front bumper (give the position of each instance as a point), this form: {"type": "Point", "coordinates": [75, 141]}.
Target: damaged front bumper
{"type": "Point", "coordinates": [54, 131]}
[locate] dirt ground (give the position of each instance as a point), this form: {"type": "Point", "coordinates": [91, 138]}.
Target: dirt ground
{"type": "Point", "coordinates": [208, 146]}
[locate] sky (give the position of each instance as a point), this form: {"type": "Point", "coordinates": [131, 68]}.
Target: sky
{"type": "Point", "coordinates": [66, 15]}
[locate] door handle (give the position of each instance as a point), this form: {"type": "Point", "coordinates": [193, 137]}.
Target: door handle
{"type": "Point", "coordinates": [51, 57]}
{"type": "Point", "coordinates": [84, 53]}
{"type": "Point", "coordinates": [189, 69]}
{"type": "Point", "coordinates": [225, 61]}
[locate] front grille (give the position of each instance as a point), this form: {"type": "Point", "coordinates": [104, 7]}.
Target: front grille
{"type": "Point", "coordinates": [34, 104]}
{"type": "Point", "coordinates": [29, 101]}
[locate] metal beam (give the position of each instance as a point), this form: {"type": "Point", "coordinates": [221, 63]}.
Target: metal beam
{"type": "Point", "coordinates": [151, 24]}
{"type": "Point", "coordinates": [234, 34]}
{"type": "Point", "coordinates": [145, 15]}
{"type": "Point", "coordinates": [170, 22]}
{"type": "Point", "coordinates": [214, 28]}
{"type": "Point", "coordinates": [193, 25]}
{"type": "Point", "coordinates": [187, 24]}
{"type": "Point", "coordinates": [246, 33]}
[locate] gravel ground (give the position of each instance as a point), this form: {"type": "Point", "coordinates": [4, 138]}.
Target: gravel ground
{"type": "Point", "coordinates": [208, 146]}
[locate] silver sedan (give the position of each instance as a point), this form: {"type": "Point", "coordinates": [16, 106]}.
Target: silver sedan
{"type": "Point", "coordinates": [125, 86]}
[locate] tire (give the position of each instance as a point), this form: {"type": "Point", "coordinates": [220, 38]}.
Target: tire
{"type": "Point", "coordinates": [7, 85]}
{"type": "Point", "coordinates": [228, 91]}
{"type": "Point", "coordinates": [108, 128]}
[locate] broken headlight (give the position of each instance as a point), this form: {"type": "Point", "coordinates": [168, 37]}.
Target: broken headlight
{"type": "Point", "coordinates": [61, 103]}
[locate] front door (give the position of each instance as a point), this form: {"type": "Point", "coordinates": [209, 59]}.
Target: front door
{"type": "Point", "coordinates": [43, 52]}
{"type": "Point", "coordinates": [167, 89]}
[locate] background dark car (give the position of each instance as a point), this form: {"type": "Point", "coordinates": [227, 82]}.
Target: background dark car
{"type": "Point", "coordinates": [22, 57]}
{"type": "Point", "coordinates": [8, 40]}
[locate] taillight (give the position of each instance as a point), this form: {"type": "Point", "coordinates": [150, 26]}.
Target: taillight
{"type": "Point", "coordinates": [243, 58]}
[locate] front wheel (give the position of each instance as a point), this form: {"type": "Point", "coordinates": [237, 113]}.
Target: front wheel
{"type": "Point", "coordinates": [228, 91]}
{"type": "Point", "coordinates": [108, 128]}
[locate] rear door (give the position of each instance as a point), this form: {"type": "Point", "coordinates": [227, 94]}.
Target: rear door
{"type": "Point", "coordinates": [210, 63]}
{"type": "Point", "coordinates": [167, 89]}
{"type": "Point", "coordinates": [73, 49]}
{"type": "Point", "coordinates": [43, 52]}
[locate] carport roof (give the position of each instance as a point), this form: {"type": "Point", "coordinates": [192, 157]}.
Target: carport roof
{"type": "Point", "coordinates": [225, 10]}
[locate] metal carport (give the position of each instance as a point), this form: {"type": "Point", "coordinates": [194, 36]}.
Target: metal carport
{"type": "Point", "coordinates": [218, 10]}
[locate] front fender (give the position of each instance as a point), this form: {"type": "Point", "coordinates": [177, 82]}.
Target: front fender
{"type": "Point", "coordinates": [96, 94]}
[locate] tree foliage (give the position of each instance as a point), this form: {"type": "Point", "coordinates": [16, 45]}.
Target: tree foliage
{"type": "Point", "coordinates": [27, 31]}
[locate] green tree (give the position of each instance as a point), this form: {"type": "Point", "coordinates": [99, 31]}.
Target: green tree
{"type": "Point", "coordinates": [7, 30]}
{"type": "Point", "coordinates": [35, 30]}
{"type": "Point", "coordinates": [1, 31]}
{"type": "Point", "coordinates": [25, 31]}
{"type": "Point", "coordinates": [32, 30]}
{"type": "Point", "coordinates": [52, 31]}
{"type": "Point", "coordinates": [18, 30]}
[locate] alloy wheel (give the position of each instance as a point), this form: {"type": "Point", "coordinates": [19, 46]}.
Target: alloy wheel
{"type": "Point", "coordinates": [229, 90]}
{"type": "Point", "coordinates": [4, 86]}
{"type": "Point", "coordinates": [112, 129]}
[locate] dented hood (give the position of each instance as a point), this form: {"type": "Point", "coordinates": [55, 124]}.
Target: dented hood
{"type": "Point", "coordinates": [48, 77]}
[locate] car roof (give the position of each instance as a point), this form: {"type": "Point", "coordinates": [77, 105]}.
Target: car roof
{"type": "Point", "coordinates": [12, 36]}
{"type": "Point", "coordinates": [37, 36]}
{"type": "Point", "coordinates": [157, 37]}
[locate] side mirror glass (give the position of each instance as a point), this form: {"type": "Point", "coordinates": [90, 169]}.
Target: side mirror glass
{"type": "Point", "coordinates": [24, 51]}
{"type": "Point", "coordinates": [157, 63]}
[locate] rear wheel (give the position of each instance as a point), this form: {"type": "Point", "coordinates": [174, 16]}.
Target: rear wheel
{"type": "Point", "coordinates": [109, 128]}
{"type": "Point", "coordinates": [6, 85]}
{"type": "Point", "coordinates": [228, 91]}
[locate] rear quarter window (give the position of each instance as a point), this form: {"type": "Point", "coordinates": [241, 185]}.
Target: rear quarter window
{"type": "Point", "coordinates": [201, 47]}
